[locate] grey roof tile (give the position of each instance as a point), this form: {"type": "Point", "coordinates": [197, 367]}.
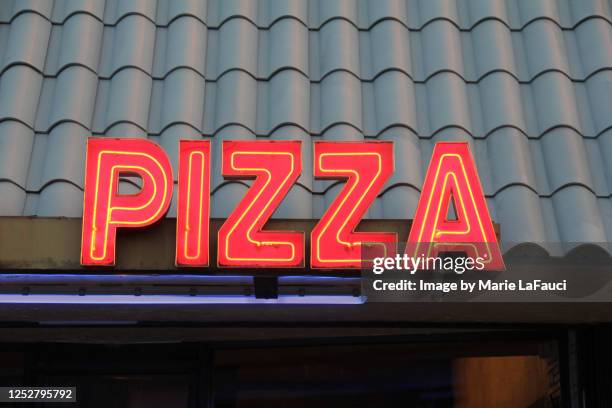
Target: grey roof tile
{"type": "Point", "coordinates": [117, 9]}
{"type": "Point", "coordinates": [297, 204]}
{"type": "Point", "coordinates": [76, 42]}
{"type": "Point", "coordinates": [129, 44]}
{"type": "Point", "coordinates": [136, 41]}
{"type": "Point", "coordinates": [124, 98]}
{"type": "Point", "coordinates": [168, 10]}
{"type": "Point", "coordinates": [400, 52]}
{"type": "Point", "coordinates": [528, 84]}
{"type": "Point", "coordinates": [510, 161]}
{"type": "Point", "coordinates": [232, 132]}
{"type": "Point", "coordinates": [362, 13]}
{"type": "Point", "coordinates": [594, 45]}
{"type": "Point", "coordinates": [604, 146]}
{"type": "Point", "coordinates": [286, 45]}
{"type": "Point", "coordinates": [30, 208]}
{"type": "Point", "coordinates": [16, 142]}
{"type": "Point", "coordinates": [337, 48]}
{"type": "Point", "coordinates": [125, 129]}
{"type": "Point", "coordinates": [62, 9]}
{"type": "Point", "coordinates": [283, 102]}
{"type": "Point", "coordinates": [545, 48]}
{"type": "Point", "coordinates": [565, 159]}
{"type": "Point", "coordinates": [64, 157]}
{"type": "Point", "coordinates": [552, 100]}
{"type": "Point", "coordinates": [578, 226]}
{"type": "Point", "coordinates": [169, 140]}
{"type": "Point", "coordinates": [408, 152]}
{"type": "Point", "coordinates": [181, 96]}
{"type": "Point", "coordinates": [605, 209]}
{"type": "Point", "coordinates": [596, 101]}
{"type": "Point", "coordinates": [71, 97]}
{"type": "Point", "coordinates": [12, 8]}
{"type": "Point", "coordinates": [399, 202]}
{"type": "Point", "coordinates": [36, 29]}
{"type": "Point", "coordinates": [20, 88]}
{"type": "Point", "coordinates": [235, 101]}
{"type": "Point", "coordinates": [38, 150]}
{"type": "Point", "coordinates": [237, 46]}
{"type": "Point", "coordinates": [231, 192]}
{"type": "Point", "coordinates": [60, 198]}
{"type": "Point", "coordinates": [519, 209]}
{"type": "Point", "coordinates": [292, 132]}
{"type": "Point", "coordinates": [182, 44]}
{"type": "Point", "coordinates": [12, 199]}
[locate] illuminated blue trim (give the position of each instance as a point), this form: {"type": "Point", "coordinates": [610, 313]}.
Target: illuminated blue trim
{"type": "Point", "coordinates": [161, 278]}
{"type": "Point", "coordinates": [167, 279]}
{"type": "Point", "coordinates": [176, 300]}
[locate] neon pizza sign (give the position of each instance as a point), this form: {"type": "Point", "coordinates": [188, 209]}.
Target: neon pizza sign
{"type": "Point", "coordinates": [273, 167]}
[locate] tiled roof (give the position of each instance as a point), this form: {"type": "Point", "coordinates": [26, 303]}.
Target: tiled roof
{"type": "Point", "coordinates": [527, 82]}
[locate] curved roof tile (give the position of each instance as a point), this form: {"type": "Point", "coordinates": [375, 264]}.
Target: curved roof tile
{"type": "Point", "coordinates": [526, 84]}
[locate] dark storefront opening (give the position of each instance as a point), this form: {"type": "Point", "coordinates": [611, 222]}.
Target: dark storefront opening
{"type": "Point", "coordinates": [479, 369]}
{"type": "Point", "coordinates": [415, 375]}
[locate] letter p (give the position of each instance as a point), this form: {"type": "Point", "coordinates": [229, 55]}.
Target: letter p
{"type": "Point", "coordinates": [104, 209]}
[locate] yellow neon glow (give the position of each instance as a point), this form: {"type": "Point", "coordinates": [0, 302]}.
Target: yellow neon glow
{"type": "Point", "coordinates": [461, 204]}
{"type": "Point", "coordinates": [431, 240]}
{"type": "Point", "coordinates": [110, 209]}
{"type": "Point", "coordinates": [351, 189]}
{"type": "Point", "coordinates": [257, 218]}
{"type": "Point", "coordinates": [199, 223]}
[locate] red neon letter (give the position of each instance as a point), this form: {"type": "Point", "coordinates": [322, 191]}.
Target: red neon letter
{"type": "Point", "coordinates": [452, 175]}
{"type": "Point", "coordinates": [366, 166]}
{"type": "Point", "coordinates": [275, 167]}
{"type": "Point", "coordinates": [192, 217]}
{"type": "Point", "coordinates": [104, 209]}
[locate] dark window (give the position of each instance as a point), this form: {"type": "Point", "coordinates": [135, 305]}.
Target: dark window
{"type": "Point", "coordinates": [482, 373]}
{"type": "Point", "coordinates": [414, 375]}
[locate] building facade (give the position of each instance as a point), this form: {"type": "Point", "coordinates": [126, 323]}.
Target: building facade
{"type": "Point", "coordinates": [527, 84]}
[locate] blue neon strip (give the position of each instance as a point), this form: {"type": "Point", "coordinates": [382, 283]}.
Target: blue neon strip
{"type": "Point", "coordinates": [123, 278]}
{"type": "Point", "coordinates": [176, 300]}
{"type": "Point", "coordinates": [22, 278]}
